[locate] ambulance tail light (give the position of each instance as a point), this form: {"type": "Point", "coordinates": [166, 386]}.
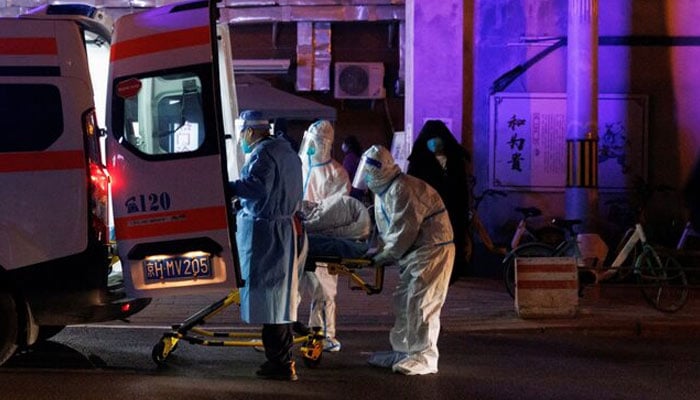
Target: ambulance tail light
{"type": "Point", "coordinates": [99, 186]}
{"type": "Point", "coordinates": [98, 178]}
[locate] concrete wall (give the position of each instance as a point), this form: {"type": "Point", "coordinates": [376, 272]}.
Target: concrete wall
{"type": "Point", "coordinates": [434, 57]}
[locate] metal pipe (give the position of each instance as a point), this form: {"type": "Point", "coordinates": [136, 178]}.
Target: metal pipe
{"type": "Point", "coordinates": [582, 113]}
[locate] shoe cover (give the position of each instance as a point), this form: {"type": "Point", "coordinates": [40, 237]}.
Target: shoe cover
{"type": "Point", "coordinates": [386, 359]}
{"type": "Point", "coordinates": [331, 344]}
{"type": "Point", "coordinates": [413, 366]}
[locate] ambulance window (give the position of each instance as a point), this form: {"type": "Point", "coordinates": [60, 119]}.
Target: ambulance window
{"type": "Point", "coordinates": [31, 115]}
{"type": "Point", "coordinates": [163, 114]}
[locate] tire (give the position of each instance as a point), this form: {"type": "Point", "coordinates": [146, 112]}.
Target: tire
{"type": "Point", "coordinates": [161, 350]}
{"type": "Point", "coordinates": [525, 250]}
{"type": "Point", "coordinates": [662, 280]}
{"type": "Point", "coordinates": [46, 332]}
{"type": "Point", "coordinates": [9, 328]}
{"type": "Point", "coordinates": [158, 354]}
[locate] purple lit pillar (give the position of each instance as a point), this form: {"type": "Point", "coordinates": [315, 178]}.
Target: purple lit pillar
{"type": "Point", "coordinates": [582, 113]}
{"type": "Point", "coordinates": [434, 60]}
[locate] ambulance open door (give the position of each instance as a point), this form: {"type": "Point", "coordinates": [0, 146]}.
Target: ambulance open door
{"type": "Point", "coordinates": [174, 224]}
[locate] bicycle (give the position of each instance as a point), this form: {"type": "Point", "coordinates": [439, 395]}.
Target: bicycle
{"type": "Point", "coordinates": [688, 233]}
{"type": "Point", "coordinates": [662, 281]}
{"type": "Point", "coordinates": [523, 233]}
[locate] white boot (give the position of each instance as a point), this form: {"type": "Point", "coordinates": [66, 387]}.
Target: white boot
{"type": "Point", "coordinates": [386, 359]}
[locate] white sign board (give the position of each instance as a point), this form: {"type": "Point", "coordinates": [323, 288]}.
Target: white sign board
{"type": "Point", "coordinates": [528, 141]}
{"type": "Point", "coordinates": [401, 146]}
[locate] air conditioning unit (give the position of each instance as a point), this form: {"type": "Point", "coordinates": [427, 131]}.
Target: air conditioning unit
{"type": "Point", "coordinates": [359, 80]}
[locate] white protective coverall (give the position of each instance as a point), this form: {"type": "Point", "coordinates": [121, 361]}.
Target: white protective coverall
{"type": "Point", "coordinates": [323, 177]}
{"type": "Point", "coordinates": [416, 233]}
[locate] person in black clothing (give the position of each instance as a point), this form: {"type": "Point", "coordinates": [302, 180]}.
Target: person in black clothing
{"type": "Point", "coordinates": [441, 161]}
{"type": "Point", "coordinates": [280, 126]}
{"type": "Point", "coordinates": [353, 151]}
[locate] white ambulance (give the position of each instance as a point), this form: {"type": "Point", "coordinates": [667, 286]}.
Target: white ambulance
{"type": "Point", "coordinates": [171, 123]}
{"type": "Point", "coordinates": [54, 243]}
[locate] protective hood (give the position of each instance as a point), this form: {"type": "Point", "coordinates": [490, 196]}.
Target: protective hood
{"type": "Point", "coordinates": [376, 170]}
{"type": "Point", "coordinates": [317, 143]}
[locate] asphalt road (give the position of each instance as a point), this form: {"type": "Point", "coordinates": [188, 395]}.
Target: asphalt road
{"type": "Point", "coordinates": [115, 363]}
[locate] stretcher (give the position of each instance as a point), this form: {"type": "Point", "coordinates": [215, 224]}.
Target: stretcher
{"type": "Point", "coordinates": [310, 338]}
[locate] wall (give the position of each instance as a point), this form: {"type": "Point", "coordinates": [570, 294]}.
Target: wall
{"type": "Point", "coordinates": [647, 47]}
{"type": "Point", "coordinates": [372, 121]}
{"type": "Point", "coordinates": [434, 58]}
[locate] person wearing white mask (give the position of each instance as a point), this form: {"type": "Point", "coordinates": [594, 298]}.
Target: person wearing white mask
{"type": "Point", "coordinates": [323, 178]}
{"type": "Point", "coordinates": [415, 229]}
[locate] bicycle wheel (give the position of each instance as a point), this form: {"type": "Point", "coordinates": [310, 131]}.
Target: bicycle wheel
{"type": "Point", "coordinates": [525, 250]}
{"type": "Point", "coordinates": [663, 281]}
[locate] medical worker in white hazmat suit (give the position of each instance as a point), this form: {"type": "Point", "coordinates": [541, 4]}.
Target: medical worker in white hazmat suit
{"type": "Point", "coordinates": [417, 236]}
{"type": "Point", "coordinates": [323, 178]}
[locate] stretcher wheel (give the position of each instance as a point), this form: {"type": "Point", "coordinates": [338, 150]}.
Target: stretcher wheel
{"type": "Point", "coordinates": [312, 352]}
{"type": "Point", "coordinates": [162, 350]}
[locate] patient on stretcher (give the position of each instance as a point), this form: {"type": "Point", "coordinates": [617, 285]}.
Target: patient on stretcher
{"type": "Point", "coordinates": [337, 226]}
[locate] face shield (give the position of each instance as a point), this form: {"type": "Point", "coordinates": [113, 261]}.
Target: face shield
{"type": "Point", "coordinates": [367, 169]}
{"type": "Point", "coordinates": [307, 147]}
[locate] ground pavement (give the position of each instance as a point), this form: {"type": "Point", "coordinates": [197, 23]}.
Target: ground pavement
{"type": "Point", "coordinates": [472, 305]}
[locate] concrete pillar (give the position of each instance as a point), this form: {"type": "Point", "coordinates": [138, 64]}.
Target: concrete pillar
{"type": "Point", "coordinates": [582, 113]}
{"type": "Point", "coordinates": [434, 60]}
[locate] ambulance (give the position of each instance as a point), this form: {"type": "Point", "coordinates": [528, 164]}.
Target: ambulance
{"type": "Point", "coordinates": [55, 250]}
{"type": "Point", "coordinates": [170, 147]}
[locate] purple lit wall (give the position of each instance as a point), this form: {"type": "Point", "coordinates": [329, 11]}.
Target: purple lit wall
{"type": "Point", "coordinates": [681, 19]}
{"type": "Point", "coordinates": [647, 48]}
{"type": "Point", "coordinates": [434, 57]}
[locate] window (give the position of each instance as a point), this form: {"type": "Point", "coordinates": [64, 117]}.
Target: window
{"type": "Point", "coordinates": [31, 115]}
{"type": "Point", "coordinates": [163, 114]}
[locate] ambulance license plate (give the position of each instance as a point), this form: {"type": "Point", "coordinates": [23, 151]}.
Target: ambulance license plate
{"type": "Point", "coordinates": [177, 269]}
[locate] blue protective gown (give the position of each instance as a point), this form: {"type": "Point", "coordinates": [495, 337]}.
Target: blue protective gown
{"type": "Point", "coordinates": [270, 189]}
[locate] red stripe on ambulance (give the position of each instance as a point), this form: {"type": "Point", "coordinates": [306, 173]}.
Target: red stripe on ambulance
{"type": "Point", "coordinates": [171, 223]}
{"type": "Point", "coordinates": [41, 161]}
{"type": "Point", "coordinates": [28, 46]}
{"type": "Point", "coordinates": [160, 42]}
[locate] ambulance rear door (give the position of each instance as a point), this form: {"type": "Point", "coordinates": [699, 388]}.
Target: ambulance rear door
{"type": "Point", "coordinates": [174, 224]}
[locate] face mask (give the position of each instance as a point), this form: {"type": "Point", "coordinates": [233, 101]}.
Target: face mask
{"type": "Point", "coordinates": [245, 146]}
{"type": "Point", "coordinates": [310, 151]}
{"type": "Point", "coordinates": [435, 144]}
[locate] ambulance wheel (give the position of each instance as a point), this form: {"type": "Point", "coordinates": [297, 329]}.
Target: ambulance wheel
{"type": "Point", "coordinates": [163, 348]}
{"type": "Point", "coordinates": [158, 354]}
{"type": "Point", "coordinates": [9, 328]}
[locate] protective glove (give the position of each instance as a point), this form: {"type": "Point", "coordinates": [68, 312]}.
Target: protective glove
{"type": "Point", "coordinates": [381, 259]}
{"type": "Point", "coordinates": [236, 203]}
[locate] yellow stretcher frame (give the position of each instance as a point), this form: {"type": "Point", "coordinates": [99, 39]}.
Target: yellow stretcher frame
{"type": "Point", "coordinates": [311, 341]}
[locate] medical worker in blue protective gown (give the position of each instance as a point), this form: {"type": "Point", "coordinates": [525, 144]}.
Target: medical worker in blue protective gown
{"type": "Point", "coordinates": [323, 178]}
{"type": "Point", "coordinates": [268, 237]}
{"type": "Point", "coordinates": [416, 235]}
